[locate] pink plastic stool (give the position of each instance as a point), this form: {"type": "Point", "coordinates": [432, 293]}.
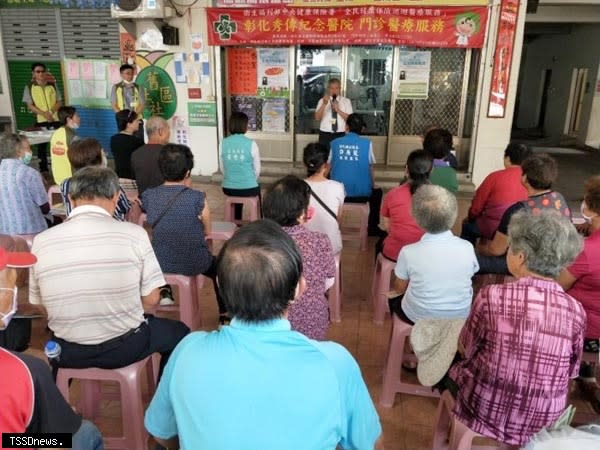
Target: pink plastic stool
{"type": "Point", "coordinates": [447, 425]}
{"type": "Point", "coordinates": [380, 287]}
{"type": "Point", "coordinates": [392, 376]}
{"type": "Point", "coordinates": [221, 231]}
{"type": "Point", "coordinates": [360, 233]}
{"type": "Point", "coordinates": [335, 293]}
{"type": "Point", "coordinates": [187, 296]}
{"type": "Point", "coordinates": [53, 191]}
{"type": "Point", "coordinates": [132, 407]}
{"type": "Point", "coordinates": [250, 203]}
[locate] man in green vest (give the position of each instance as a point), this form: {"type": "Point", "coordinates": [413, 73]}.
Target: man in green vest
{"type": "Point", "coordinates": [43, 99]}
{"type": "Point", "coordinates": [127, 94]}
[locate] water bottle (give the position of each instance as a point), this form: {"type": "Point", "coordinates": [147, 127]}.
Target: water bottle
{"type": "Point", "coordinates": [52, 350]}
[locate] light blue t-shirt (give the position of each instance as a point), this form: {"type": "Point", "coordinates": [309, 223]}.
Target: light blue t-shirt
{"type": "Point", "coordinates": [439, 267]}
{"type": "Point", "coordinates": [238, 164]}
{"type": "Point", "coordinates": [262, 387]}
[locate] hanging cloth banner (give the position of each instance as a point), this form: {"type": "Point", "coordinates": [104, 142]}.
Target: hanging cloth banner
{"type": "Point", "coordinates": [457, 26]}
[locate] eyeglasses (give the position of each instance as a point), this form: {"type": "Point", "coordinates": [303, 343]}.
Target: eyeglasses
{"type": "Point", "coordinates": [39, 71]}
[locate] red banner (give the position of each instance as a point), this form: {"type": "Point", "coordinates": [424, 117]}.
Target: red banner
{"type": "Point", "coordinates": [507, 29]}
{"type": "Point", "coordinates": [241, 66]}
{"type": "Point", "coordinates": [460, 26]}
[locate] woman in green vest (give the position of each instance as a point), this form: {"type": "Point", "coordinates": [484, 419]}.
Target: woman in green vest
{"type": "Point", "coordinates": [240, 162]}
{"type": "Point", "coordinates": [60, 142]}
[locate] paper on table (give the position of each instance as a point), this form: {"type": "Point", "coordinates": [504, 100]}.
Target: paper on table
{"type": "Point", "coordinates": [75, 89]}
{"type": "Point", "coordinates": [99, 70]}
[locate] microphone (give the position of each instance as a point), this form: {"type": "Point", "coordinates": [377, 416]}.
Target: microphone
{"type": "Point", "coordinates": [333, 97]}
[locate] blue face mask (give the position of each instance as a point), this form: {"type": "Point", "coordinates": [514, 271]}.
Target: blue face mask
{"type": "Point", "coordinates": [26, 158]}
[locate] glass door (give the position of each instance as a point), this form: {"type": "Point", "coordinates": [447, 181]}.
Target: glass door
{"type": "Point", "coordinates": [369, 87]}
{"type": "Point", "coordinates": [315, 66]}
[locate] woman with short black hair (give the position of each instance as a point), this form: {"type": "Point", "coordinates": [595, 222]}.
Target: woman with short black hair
{"type": "Point", "coordinates": [124, 143]}
{"type": "Point", "coordinates": [286, 203]}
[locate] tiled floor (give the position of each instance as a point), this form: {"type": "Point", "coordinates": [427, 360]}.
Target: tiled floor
{"type": "Point", "coordinates": [408, 425]}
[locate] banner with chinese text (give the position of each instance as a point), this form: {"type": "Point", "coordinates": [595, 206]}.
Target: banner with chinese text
{"type": "Point", "coordinates": [338, 3]}
{"type": "Point", "coordinates": [462, 27]}
{"type": "Point", "coordinates": [505, 42]}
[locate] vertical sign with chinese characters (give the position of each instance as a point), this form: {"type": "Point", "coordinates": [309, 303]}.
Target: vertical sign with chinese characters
{"type": "Point", "coordinates": [507, 29]}
{"type": "Point", "coordinates": [241, 63]}
{"type": "Point", "coordinates": [127, 46]}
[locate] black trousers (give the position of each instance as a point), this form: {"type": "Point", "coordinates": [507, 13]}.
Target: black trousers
{"type": "Point", "coordinates": [42, 149]}
{"type": "Point", "coordinates": [153, 335]}
{"type": "Point", "coordinates": [325, 138]}
{"type": "Point", "coordinates": [374, 201]}
{"type": "Point", "coordinates": [238, 208]}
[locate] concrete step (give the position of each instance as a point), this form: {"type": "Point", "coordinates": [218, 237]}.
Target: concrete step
{"type": "Point", "coordinates": [386, 177]}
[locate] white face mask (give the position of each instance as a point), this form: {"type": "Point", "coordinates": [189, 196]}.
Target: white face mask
{"type": "Point", "coordinates": [74, 126]}
{"type": "Point", "coordinates": [6, 316]}
{"type": "Point", "coordinates": [583, 206]}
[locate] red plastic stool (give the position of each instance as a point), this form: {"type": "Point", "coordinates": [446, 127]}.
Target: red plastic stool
{"type": "Point", "coordinates": [392, 376]}
{"type": "Point", "coordinates": [335, 293]}
{"type": "Point", "coordinates": [448, 426]}
{"type": "Point", "coordinates": [380, 287]}
{"type": "Point", "coordinates": [132, 407]}
{"type": "Point", "coordinates": [187, 298]}
{"type": "Point", "coordinates": [250, 203]}
{"type": "Point", "coordinates": [362, 232]}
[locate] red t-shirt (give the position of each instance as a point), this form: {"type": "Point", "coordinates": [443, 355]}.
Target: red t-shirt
{"type": "Point", "coordinates": [403, 229]}
{"type": "Point", "coordinates": [16, 396]}
{"type": "Point", "coordinates": [502, 187]}
{"type": "Point", "coordinates": [586, 268]}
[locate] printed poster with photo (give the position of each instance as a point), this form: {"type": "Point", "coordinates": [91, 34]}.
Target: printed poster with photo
{"type": "Point", "coordinates": [413, 73]}
{"type": "Point", "coordinates": [272, 72]}
{"type": "Point", "coordinates": [247, 106]}
{"type": "Point", "coordinates": [273, 115]}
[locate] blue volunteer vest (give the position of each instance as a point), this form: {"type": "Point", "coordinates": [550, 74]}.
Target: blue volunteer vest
{"type": "Point", "coordinates": [238, 170]}
{"type": "Point", "coordinates": [350, 164]}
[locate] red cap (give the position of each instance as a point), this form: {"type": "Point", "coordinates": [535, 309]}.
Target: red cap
{"type": "Point", "coordinates": [16, 260]}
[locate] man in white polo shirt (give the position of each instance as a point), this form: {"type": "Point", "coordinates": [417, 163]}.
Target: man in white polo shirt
{"type": "Point", "coordinates": [332, 112]}
{"type": "Point", "coordinates": [96, 277]}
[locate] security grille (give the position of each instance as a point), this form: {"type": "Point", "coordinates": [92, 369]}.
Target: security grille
{"type": "Point", "coordinates": [442, 108]}
{"type": "Point", "coordinates": [90, 33]}
{"type": "Point", "coordinates": [30, 34]}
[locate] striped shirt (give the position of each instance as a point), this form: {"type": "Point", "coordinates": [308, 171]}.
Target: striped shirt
{"type": "Point", "coordinates": [121, 210]}
{"type": "Point", "coordinates": [91, 274]}
{"type": "Point", "coordinates": [22, 193]}
{"type": "Point", "coordinates": [523, 343]}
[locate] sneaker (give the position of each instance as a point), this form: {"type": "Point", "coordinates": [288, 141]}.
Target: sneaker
{"type": "Point", "coordinates": [166, 296]}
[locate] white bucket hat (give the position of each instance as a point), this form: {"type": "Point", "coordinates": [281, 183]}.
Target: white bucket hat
{"type": "Point", "coordinates": [435, 342]}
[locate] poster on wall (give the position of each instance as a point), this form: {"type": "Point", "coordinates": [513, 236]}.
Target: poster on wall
{"type": "Point", "coordinates": [241, 66]}
{"type": "Point", "coordinates": [273, 115]}
{"type": "Point", "coordinates": [273, 74]}
{"type": "Point", "coordinates": [188, 68]}
{"type": "Point", "coordinates": [89, 82]}
{"type": "Point", "coordinates": [127, 48]}
{"type": "Point", "coordinates": [413, 72]}
{"type": "Point", "coordinates": [202, 114]}
{"type": "Point", "coordinates": [507, 28]}
{"type": "Point", "coordinates": [441, 26]}
{"type": "Point", "coordinates": [248, 106]}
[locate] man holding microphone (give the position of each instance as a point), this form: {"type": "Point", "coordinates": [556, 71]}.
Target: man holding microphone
{"type": "Point", "coordinates": [332, 111]}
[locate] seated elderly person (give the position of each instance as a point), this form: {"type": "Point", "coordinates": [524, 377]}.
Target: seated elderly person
{"type": "Point", "coordinates": [31, 402]}
{"type": "Point", "coordinates": [286, 203]}
{"type": "Point", "coordinates": [23, 197]}
{"type": "Point", "coordinates": [221, 388]}
{"type": "Point", "coordinates": [498, 191]}
{"type": "Point", "coordinates": [434, 274]}
{"type": "Point", "coordinates": [96, 276]}
{"type": "Point", "coordinates": [522, 341]}
{"type": "Point", "coordinates": [85, 153]}
{"type": "Point", "coordinates": [539, 173]}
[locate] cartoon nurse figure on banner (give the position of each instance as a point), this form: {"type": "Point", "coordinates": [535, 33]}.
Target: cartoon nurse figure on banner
{"type": "Point", "coordinates": [467, 24]}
